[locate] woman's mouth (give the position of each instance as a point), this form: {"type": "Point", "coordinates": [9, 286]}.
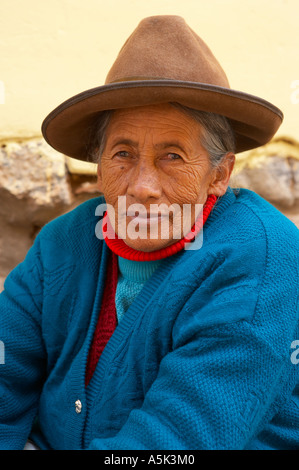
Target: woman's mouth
{"type": "Point", "coordinates": [146, 218]}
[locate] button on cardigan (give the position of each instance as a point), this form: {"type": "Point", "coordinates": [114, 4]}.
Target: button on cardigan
{"type": "Point", "coordinates": [202, 358]}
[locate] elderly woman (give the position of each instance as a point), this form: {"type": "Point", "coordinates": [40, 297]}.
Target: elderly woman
{"type": "Point", "coordinates": [120, 333]}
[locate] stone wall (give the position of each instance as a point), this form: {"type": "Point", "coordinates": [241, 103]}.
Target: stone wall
{"type": "Point", "coordinates": [272, 171]}
{"type": "Point", "coordinates": [35, 187]}
{"type": "Point", "coordinates": [38, 184]}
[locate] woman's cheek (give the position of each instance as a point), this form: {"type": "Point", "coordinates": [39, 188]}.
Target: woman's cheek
{"type": "Point", "coordinates": [114, 183]}
{"type": "Point", "coordinates": [186, 189]}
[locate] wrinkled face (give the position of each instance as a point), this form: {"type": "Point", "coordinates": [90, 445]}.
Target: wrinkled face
{"type": "Point", "coordinates": [153, 161]}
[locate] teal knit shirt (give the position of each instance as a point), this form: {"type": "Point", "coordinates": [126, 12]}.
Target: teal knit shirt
{"type": "Point", "coordinates": [131, 279]}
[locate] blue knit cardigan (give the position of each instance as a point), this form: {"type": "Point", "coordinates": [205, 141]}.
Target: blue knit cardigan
{"type": "Point", "coordinates": [205, 357]}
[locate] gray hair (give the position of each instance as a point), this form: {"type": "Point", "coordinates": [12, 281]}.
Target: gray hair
{"type": "Point", "coordinates": [97, 136]}
{"type": "Point", "coordinates": [216, 137]}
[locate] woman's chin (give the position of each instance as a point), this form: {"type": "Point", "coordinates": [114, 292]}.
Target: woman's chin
{"type": "Point", "coordinates": [147, 245]}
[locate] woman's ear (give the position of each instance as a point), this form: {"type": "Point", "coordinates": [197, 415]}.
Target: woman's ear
{"type": "Point", "coordinates": [222, 174]}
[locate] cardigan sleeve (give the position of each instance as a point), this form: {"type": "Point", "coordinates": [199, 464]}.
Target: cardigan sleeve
{"type": "Point", "coordinates": [221, 382]}
{"type": "Point", "coordinates": [22, 365]}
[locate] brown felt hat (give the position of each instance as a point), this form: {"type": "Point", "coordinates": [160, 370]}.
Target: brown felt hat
{"type": "Point", "coordinates": [163, 60]}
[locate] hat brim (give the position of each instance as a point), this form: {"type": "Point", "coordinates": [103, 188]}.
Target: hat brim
{"type": "Point", "coordinates": [254, 120]}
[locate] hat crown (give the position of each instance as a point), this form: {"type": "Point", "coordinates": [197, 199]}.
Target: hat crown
{"type": "Point", "coordinates": [165, 47]}
{"type": "Point", "coordinates": [163, 61]}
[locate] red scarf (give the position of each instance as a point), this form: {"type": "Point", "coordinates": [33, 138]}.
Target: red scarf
{"type": "Point", "coordinates": [107, 320]}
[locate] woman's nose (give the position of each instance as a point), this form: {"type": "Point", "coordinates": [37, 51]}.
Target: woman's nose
{"type": "Point", "coordinates": [145, 183]}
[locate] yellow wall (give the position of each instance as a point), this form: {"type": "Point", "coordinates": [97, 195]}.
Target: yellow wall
{"type": "Point", "coordinates": [50, 50]}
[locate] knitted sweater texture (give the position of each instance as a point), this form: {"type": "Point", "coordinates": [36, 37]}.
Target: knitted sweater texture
{"type": "Point", "coordinates": [131, 279]}
{"type": "Point", "coordinates": [202, 358]}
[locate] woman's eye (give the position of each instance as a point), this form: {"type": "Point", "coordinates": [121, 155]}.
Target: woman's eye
{"type": "Point", "coordinates": [174, 156]}
{"type": "Point", "coordinates": [122, 153]}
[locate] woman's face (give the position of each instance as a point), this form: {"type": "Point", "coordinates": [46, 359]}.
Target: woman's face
{"type": "Point", "coordinates": [153, 159]}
